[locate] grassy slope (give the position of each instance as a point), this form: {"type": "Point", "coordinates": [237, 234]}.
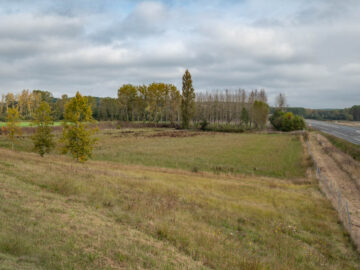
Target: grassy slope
{"type": "Point", "coordinates": [273, 155]}
{"type": "Point", "coordinates": [61, 215]}
{"type": "Point", "coordinates": [349, 148]}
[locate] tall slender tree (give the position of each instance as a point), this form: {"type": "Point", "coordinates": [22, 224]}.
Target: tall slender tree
{"type": "Point", "coordinates": [244, 117]}
{"type": "Point", "coordinates": [187, 100]}
{"type": "Point", "coordinates": [76, 132]}
{"type": "Point", "coordinates": [12, 128]}
{"type": "Point", "coordinates": [260, 113]}
{"type": "Point", "coordinates": [43, 139]}
{"type": "Point", "coordinates": [280, 101]}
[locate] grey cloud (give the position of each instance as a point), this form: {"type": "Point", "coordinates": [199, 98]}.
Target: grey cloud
{"type": "Point", "coordinates": [146, 19]}
{"type": "Point", "coordinates": [314, 63]}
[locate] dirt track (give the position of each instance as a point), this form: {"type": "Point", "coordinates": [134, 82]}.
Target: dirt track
{"type": "Point", "coordinates": [339, 180]}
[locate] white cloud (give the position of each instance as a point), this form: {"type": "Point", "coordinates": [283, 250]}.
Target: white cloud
{"type": "Point", "coordinates": [302, 49]}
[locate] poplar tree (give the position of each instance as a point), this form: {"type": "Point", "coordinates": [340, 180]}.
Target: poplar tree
{"type": "Point", "coordinates": [43, 139]}
{"type": "Point", "coordinates": [260, 113]}
{"type": "Point", "coordinates": [281, 101]}
{"type": "Point", "coordinates": [77, 132]}
{"type": "Point", "coordinates": [244, 116]}
{"type": "Point", "coordinates": [187, 100]}
{"type": "Point", "coordinates": [12, 128]}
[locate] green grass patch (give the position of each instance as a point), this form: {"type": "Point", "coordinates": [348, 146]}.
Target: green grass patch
{"type": "Point", "coordinates": [29, 124]}
{"type": "Point", "coordinates": [278, 155]}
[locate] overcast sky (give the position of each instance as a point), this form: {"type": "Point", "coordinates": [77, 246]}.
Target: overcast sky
{"type": "Point", "coordinates": [309, 50]}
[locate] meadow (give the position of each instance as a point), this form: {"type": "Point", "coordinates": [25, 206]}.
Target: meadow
{"type": "Point", "coordinates": [120, 211]}
{"type": "Point", "coordinates": [276, 155]}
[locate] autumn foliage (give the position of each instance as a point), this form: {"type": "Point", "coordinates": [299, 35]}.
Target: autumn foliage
{"type": "Point", "coordinates": [77, 132]}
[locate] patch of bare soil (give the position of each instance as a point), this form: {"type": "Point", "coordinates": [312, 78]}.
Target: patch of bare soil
{"type": "Point", "coordinates": [128, 133]}
{"type": "Point", "coordinates": [147, 134]}
{"type": "Point", "coordinates": [175, 133]}
{"type": "Point", "coordinates": [339, 177]}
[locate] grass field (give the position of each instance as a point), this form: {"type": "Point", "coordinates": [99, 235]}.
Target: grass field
{"type": "Point", "coordinates": [274, 155]}
{"type": "Point", "coordinates": [28, 124]}
{"type": "Point", "coordinates": [57, 214]}
{"type": "Point", "coordinates": [259, 154]}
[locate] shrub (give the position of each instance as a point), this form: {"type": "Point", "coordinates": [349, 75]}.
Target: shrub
{"type": "Point", "coordinates": [203, 125]}
{"type": "Point", "coordinates": [286, 121]}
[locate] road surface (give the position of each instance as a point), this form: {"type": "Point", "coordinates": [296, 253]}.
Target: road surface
{"type": "Point", "coordinates": [351, 134]}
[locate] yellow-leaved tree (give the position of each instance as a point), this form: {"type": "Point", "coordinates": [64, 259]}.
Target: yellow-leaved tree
{"type": "Point", "coordinates": [43, 139]}
{"type": "Point", "coordinates": [12, 129]}
{"type": "Point", "coordinates": [77, 132]}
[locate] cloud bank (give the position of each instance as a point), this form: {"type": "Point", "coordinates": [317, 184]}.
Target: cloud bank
{"type": "Point", "coordinates": [307, 50]}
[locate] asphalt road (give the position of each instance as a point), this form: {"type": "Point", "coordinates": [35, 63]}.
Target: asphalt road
{"type": "Point", "coordinates": [351, 134]}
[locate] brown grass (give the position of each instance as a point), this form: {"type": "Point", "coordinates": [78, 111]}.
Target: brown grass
{"type": "Point", "coordinates": [60, 214]}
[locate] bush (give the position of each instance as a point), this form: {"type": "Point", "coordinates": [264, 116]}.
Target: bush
{"type": "Point", "coordinates": [203, 125]}
{"type": "Point", "coordinates": [118, 125]}
{"type": "Point", "coordinates": [286, 121]}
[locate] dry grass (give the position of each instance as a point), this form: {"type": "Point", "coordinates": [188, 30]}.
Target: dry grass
{"type": "Point", "coordinates": [347, 123]}
{"type": "Point", "coordinates": [339, 181]}
{"type": "Point", "coordinates": [57, 214]}
{"type": "Point", "coordinates": [333, 147]}
{"type": "Point", "coordinates": [349, 148]}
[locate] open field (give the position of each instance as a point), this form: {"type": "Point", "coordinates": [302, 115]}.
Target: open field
{"type": "Point", "coordinates": [57, 214]}
{"type": "Point", "coordinates": [259, 154]}
{"type": "Point", "coordinates": [276, 155]}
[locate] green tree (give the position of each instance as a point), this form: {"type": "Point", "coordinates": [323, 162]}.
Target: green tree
{"type": "Point", "coordinates": [244, 116]}
{"type": "Point", "coordinates": [44, 95]}
{"type": "Point", "coordinates": [127, 95]}
{"type": "Point", "coordinates": [355, 111]}
{"type": "Point", "coordinates": [187, 100]}
{"type": "Point", "coordinates": [286, 121]}
{"type": "Point", "coordinates": [260, 113]}
{"type": "Point", "coordinates": [77, 132]}
{"type": "Point", "coordinates": [12, 129]}
{"type": "Point", "coordinates": [60, 107]}
{"type": "Point", "coordinates": [174, 102]}
{"type": "Point", "coordinates": [43, 139]}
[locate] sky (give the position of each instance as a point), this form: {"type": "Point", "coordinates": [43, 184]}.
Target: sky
{"type": "Point", "coordinates": [307, 50]}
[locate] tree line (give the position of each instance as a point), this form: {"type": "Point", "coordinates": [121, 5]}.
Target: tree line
{"type": "Point", "coordinates": [232, 108]}
{"type": "Point", "coordinates": [76, 135]}
{"type": "Point", "coordinates": [156, 102]}
{"type": "Point", "coordinates": [77, 114]}
{"type": "Point", "coordinates": [347, 114]}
